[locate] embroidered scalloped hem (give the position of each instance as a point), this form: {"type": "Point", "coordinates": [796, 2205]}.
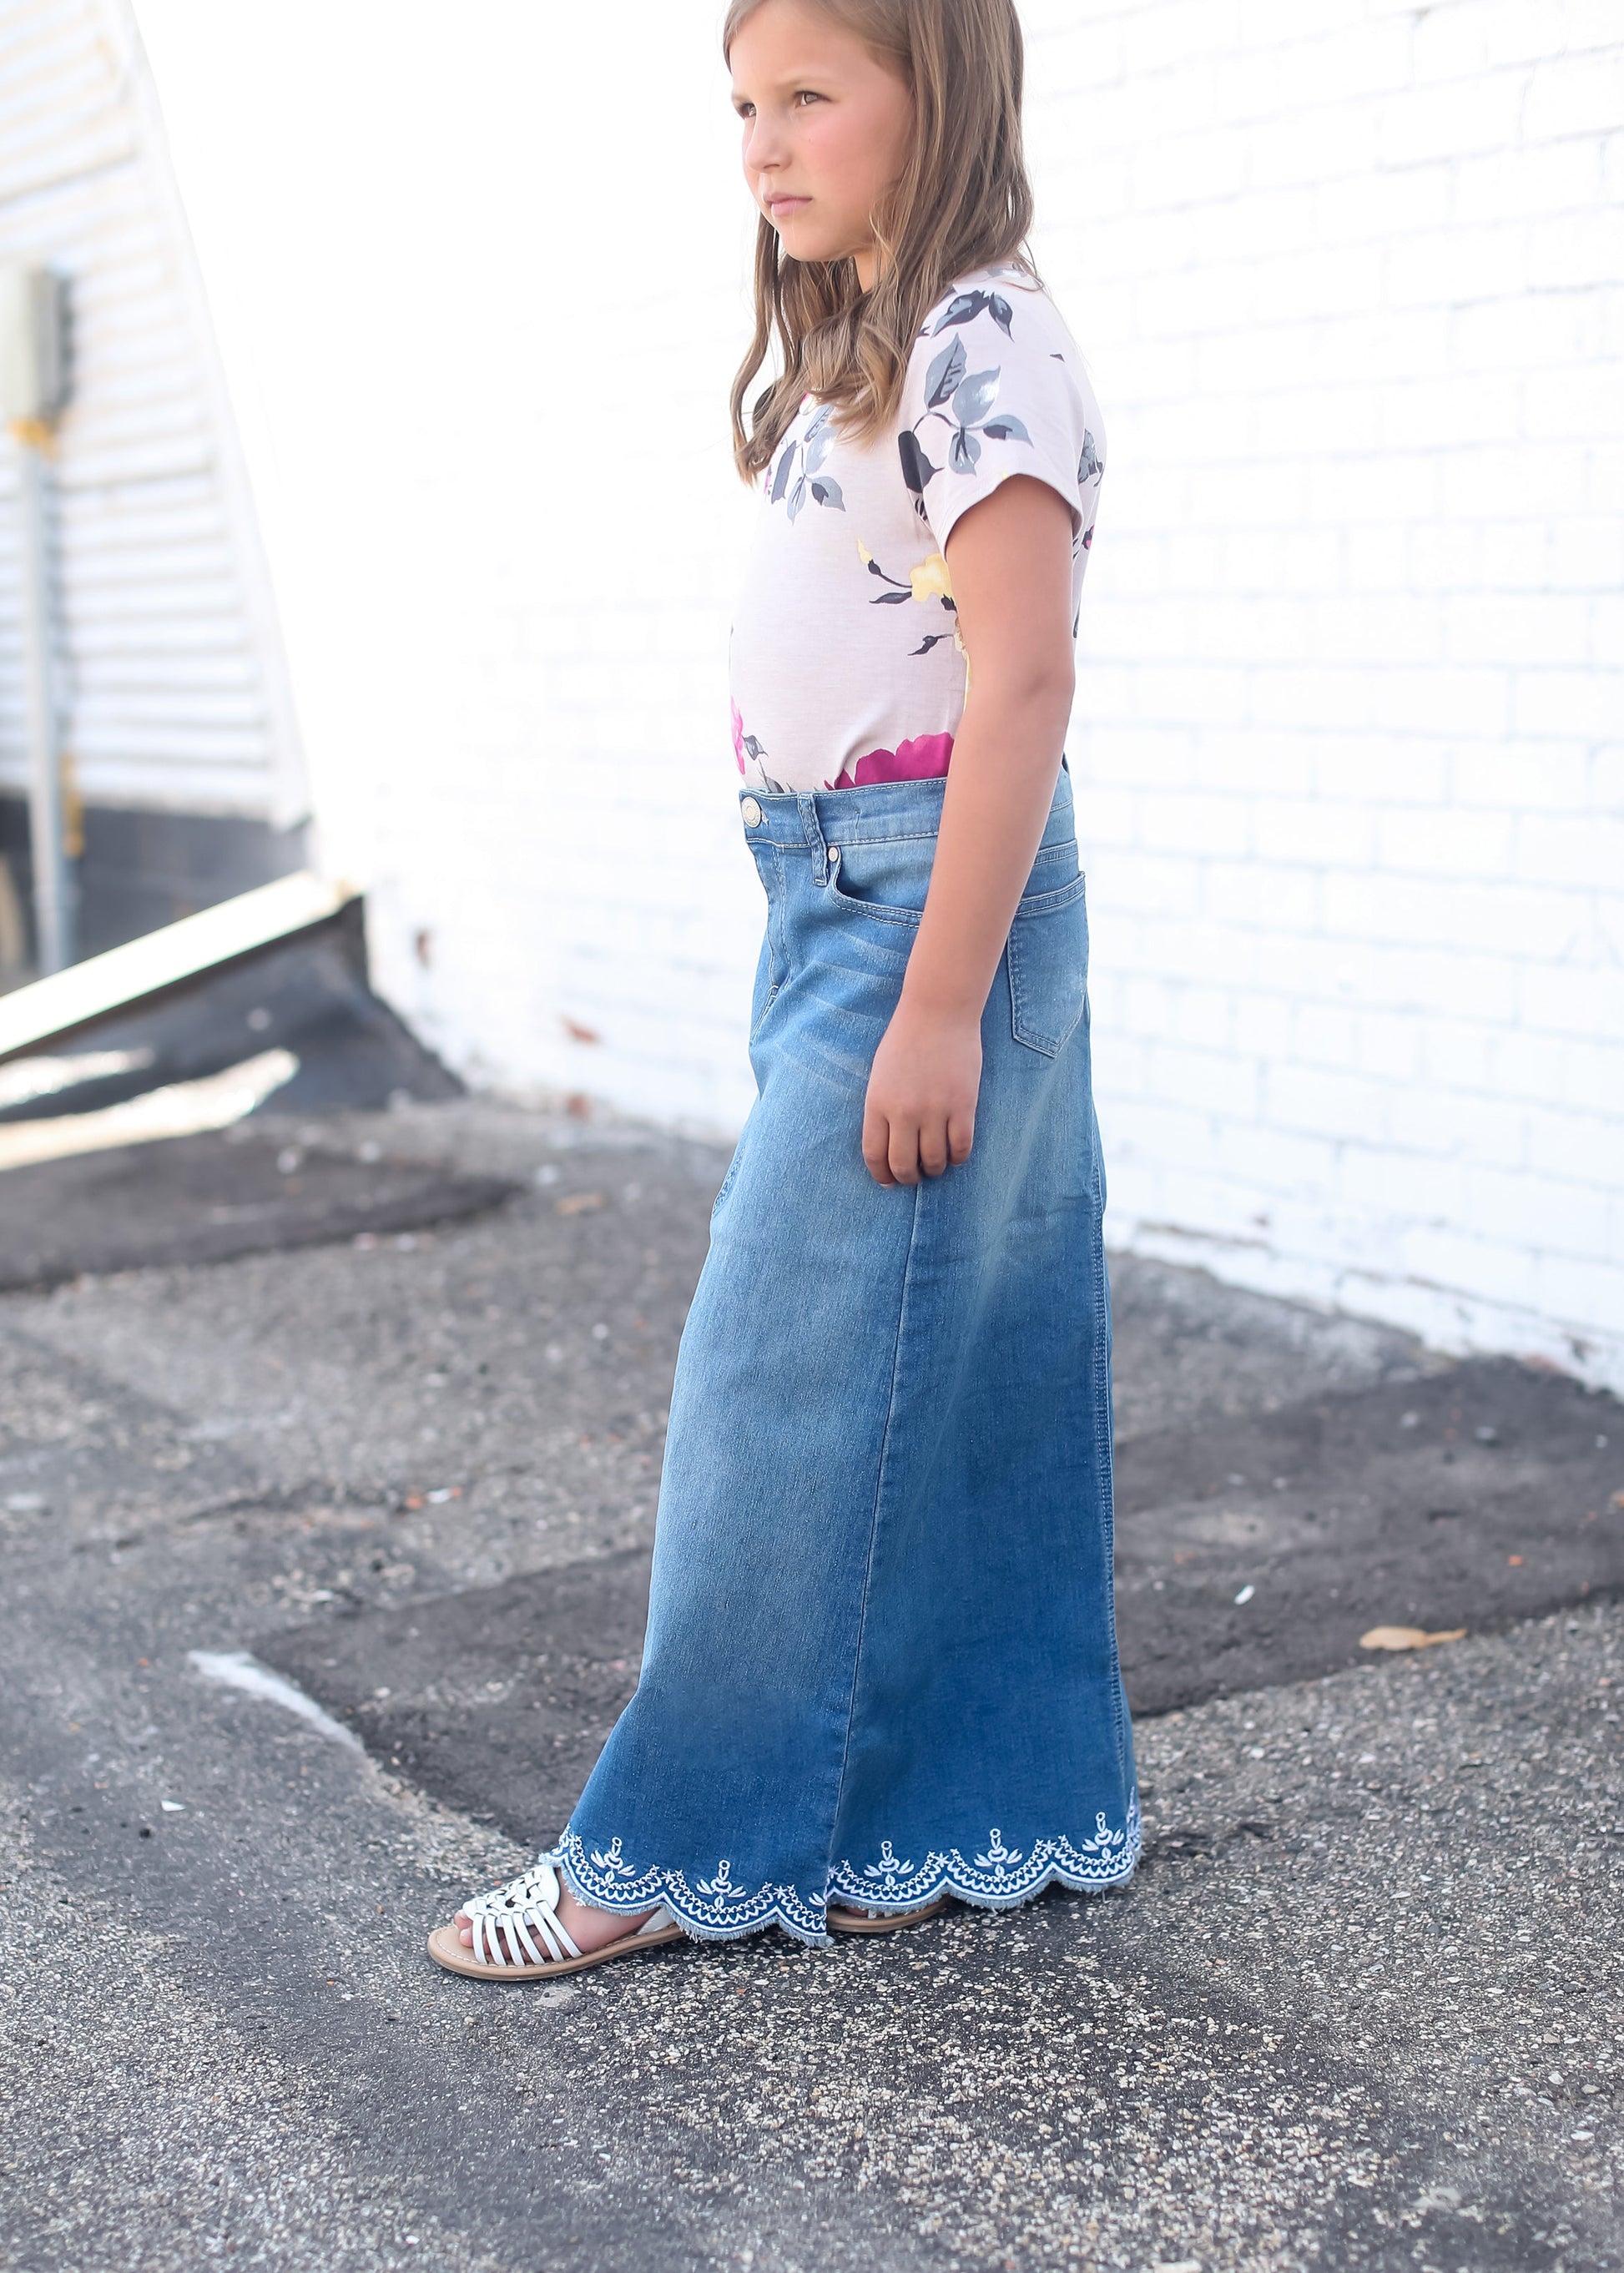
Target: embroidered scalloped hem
{"type": "Point", "coordinates": [971, 1891]}
{"type": "Point", "coordinates": [715, 1910]}
{"type": "Point", "coordinates": [1000, 1879]}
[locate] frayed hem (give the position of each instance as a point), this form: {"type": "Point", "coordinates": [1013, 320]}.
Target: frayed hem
{"type": "Point", "coordinates": [670, 1889]}
{"type": "Point", "coordinates": [976, 1898]}
{"type": "Point", "coordinates": [698, 1932]}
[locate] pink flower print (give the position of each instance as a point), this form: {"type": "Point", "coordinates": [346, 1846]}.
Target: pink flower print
{"type": "Point", "coordinates": [738, 735]}
{"type": "Point", "coordinates": [926, 758]}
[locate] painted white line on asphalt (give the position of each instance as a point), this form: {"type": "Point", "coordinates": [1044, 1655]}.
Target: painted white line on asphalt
{"type": "Point", "coordinates": [235, 1669]}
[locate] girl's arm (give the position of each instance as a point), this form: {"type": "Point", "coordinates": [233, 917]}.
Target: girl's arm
{"type": "Point", "coordinates": [1010, 560]}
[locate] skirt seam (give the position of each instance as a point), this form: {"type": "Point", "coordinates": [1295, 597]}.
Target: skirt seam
{"type": "Point", "coordinates": [1105, 1431]}
{"type": "Point", "coordinates": [874, 1525]}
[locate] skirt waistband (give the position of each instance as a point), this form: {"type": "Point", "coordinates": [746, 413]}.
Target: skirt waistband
{"type": "Point", "coordinates": [876, 811]}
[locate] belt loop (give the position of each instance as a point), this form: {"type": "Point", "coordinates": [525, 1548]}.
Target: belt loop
{"type": "Point", "coordinates": [812, 830]}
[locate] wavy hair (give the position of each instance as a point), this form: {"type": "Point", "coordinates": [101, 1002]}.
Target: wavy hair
{"type": "Point", "coordinates": [962, 201]}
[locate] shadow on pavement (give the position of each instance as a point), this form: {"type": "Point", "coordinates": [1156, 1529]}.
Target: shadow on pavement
{"type": "Point", "coordinates": [1474, 1498]}
{"type": "Point", "coordinates": [207, 1199]}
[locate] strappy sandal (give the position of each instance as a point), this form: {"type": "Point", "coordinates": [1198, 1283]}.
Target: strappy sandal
{"type": "Point", "coordinates": [524, 1915]}
{"type": "Point", "coordinates": [845, 1921]}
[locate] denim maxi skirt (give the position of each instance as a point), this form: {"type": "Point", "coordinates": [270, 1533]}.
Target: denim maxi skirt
{"type": "Point", "coordinates": [881, 1659]}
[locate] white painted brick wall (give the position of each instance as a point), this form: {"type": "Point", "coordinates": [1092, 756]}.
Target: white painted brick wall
{"type": "Point", "coordinates": [1349, 738]}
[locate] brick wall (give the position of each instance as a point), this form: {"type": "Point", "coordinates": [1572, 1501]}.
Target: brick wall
{"type": "Point", "coordinates": [1349, 737]}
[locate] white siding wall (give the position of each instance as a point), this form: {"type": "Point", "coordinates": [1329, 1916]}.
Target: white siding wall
{"type": "Point", "coordinates": [171, 680]}
{"type": "Point", "coordinates": [1348, 733]}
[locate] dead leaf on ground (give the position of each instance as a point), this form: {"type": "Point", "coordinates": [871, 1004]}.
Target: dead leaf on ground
{"type": "Point", "coordinates": [1406, 1638]}
{"type": "Point", "coordinates": [578, 1203]}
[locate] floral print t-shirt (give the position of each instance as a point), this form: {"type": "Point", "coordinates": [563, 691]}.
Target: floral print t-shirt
{"type": "Point", "coordinates": [845, 661]}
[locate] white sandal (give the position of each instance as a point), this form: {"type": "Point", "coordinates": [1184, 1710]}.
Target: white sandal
{"type": "Point", "coordinates": [518, 1915]}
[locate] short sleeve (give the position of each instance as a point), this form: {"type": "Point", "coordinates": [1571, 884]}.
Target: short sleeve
{"type": "Point", "coordinates": [994, 386]}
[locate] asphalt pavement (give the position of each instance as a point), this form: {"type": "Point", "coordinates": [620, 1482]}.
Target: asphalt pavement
{"type": "Point", "coordinates": [1360, 2008]}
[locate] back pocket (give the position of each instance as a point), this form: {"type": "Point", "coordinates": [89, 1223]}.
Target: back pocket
{"type": "Point", "coordinates": [1047, 956]}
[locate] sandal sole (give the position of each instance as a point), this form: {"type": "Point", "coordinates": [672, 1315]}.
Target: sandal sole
{"type": "Point", "coordinates": [446, 1949]}
{"type": "Point", "coordinates": [849, 1921]}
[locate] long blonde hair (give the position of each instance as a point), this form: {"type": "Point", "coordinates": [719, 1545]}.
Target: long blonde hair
{"type": "Point", "coordinates": [962, 201]}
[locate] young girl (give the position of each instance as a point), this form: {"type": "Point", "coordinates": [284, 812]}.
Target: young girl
{"type": "Point", "coordinates": [881, 1666]}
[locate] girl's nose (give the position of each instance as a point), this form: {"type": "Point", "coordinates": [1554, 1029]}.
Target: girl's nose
{"type": "Point", "coordinates": [763, 147]}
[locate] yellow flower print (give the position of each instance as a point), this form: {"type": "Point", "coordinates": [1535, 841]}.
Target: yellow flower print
{"type": "Point", "coordinates": [929, 583]}
{"type": "Point", "coordinates": [930, 580]}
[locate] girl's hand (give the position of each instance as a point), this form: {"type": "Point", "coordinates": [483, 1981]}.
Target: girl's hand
{"type": "Point", "coordinates": [919, 1117]}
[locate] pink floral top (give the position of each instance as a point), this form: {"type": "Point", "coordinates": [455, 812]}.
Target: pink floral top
{"type": "Point", "coordinates": [846, 661]}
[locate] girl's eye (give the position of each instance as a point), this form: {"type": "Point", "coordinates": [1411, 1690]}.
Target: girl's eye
{"type": "Point", "coordinates": [807, 95]}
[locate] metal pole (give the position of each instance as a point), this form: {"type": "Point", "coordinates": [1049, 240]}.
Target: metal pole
{"type": "Point", "coordinates": [53, 895]}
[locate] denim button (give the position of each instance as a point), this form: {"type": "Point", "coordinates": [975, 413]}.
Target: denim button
{"type": "Point", "coordinates": [752, 813]}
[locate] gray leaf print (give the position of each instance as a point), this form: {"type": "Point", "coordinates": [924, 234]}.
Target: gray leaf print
{"type": "Point", "coordinates": [998, 308]}
{"type": "Point", "coordinates": [916, 467]}
{"type": "Point", "coordinates": [1005, 429]}
{"type": "Point", "coordinates": [963, 452]}
{"type": "Point", "coordinates": [820, 442]}
{"type": "Point", "coordinates": [780, 480]}
{"type": "Point", "coordinates": [797, 498]}
{"type": "Point", "coordinates": [974, 397]}
{"type": "Point", "coordinates": [934, 640]}
{"type": "Point", "coordinates": [1091, 464]}
{"type": "Point", "coordinates": [944, 374]}
{"type": "Point", "coordinates": [828, 492]}
{"type": "Point", "coordinates": [959, 310]}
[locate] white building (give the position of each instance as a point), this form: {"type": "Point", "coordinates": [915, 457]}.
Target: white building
{"type": "Point", "coordinates": [171, 683]}
{"type": "Point", "coordinates": [1349, 733]}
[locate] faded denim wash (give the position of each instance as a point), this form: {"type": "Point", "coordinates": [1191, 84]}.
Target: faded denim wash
{"type": "Point", "coordinates": [882, 1655]}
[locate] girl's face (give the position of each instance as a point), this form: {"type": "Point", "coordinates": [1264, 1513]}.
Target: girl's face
{"type": "Point", "coordinates": [827, 129]}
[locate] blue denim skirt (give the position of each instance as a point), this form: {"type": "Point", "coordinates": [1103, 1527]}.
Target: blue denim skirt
{"type": "Point", "coordinates": [881, 1659]}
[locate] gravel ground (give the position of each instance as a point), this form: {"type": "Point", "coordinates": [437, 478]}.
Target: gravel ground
{"type": "Point", "coordinates": [1361, 2008]}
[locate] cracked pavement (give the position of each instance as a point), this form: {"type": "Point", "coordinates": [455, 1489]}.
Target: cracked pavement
{"type": "Point", "coordinates": [1360, 2007]}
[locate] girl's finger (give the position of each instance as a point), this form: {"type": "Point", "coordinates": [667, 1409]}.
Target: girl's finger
{"type": "Point", "coordinates": [903, 1151]}
{"type": "Point", "coordinates": [933, 1148]}
{"type": "Point", "coordinates": [960, 1135]}
{"type": "Point", "coordinates": [876, 1146]}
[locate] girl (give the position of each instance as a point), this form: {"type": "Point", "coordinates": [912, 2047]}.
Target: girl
{"type": "Point", "coordinates": [881, 1666]}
